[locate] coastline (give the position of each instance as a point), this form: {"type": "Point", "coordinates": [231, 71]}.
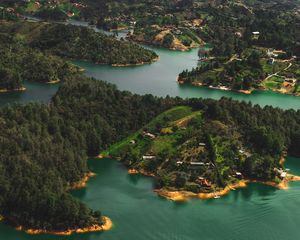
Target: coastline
{"type": "Point", "coordinates": [135, 64]}
{"type": "Point", "coordinates": [133, 171]}
{"type": "Point", "coordinates": [186, 49]}
{"type": "Point", "coordinates": [53, 81]}
{"type": "Point", "coordinates": [94, 228]}
{"type": "Point", "coordinates": [185, 195]}
{"type": "Point", "coordinates": [5, 90]}
{"type": "Point", "coordinates": [247, 92]}
{"type": "Point", "coordinates": [83, 182]}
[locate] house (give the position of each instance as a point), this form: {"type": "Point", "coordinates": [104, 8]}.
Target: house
{"type": "Point", "coordinates": [238, 34]}
{"type": "Point", "coordinates": [179, 163]}
{"type": "Point", "coordinates": [202, 144]}
{"type": "Point", "coordinates": [255, 35]}
{"type": "Point", "coordinates": [281, 172]}
{"type": "Point", "coordinates": [149, 157]}
{"type": "Point", "coordinates": [150, 135]}
{"type": "Point", "coordinates": [238, 175]}
{"type": "Point", "coordinates": [195, 165]}
{"type": "Point", "coordinates": [271, 61]}
{"type": "Point", "coordinates": [132, 142]}
{"type": "Point", "coordinates": [203, 182]}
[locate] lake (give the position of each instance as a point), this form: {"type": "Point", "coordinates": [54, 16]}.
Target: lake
{"type": "Point", "coordinates": [158, 79]}
{"type": "Point", "coordinates": [256, 212]}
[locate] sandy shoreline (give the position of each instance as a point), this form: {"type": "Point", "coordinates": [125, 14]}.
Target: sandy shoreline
{"type": "Point", "coordinates": [53, 82]}
{"type": "Point", "coordinates": [135, 64]}
{"type": "Point", "coordinates": [185, 195]}
{"type": "Point", "coordinates": [4, 90]}
{"type": "Point", "coordinates": [133, 171]}
{"type": "Point", "coordinates": [94, 228]}
{"type": "Point", "coordinates": [83, 182]}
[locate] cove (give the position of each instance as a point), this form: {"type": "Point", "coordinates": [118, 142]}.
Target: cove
{"type": "Point", "coordinates": [255, 212]}
{"type": "Point", "coordinates": [160, 77]}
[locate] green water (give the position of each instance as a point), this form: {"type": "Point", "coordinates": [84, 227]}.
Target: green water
{"type": "Point", "coordinates": [160, 79]}
{"type": "Point", "coordinates": [256, 212]}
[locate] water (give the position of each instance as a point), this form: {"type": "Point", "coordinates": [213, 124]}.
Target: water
{"type": "Point", "coordinates": [35, 92]}
{"type": "Point", "coordinates": [256, 212]}
{"type": "Point", "coordinates": [160, 77]}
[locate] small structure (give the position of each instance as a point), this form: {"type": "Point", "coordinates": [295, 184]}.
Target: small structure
{"type": "Point", "coordinates": [238, 175]}
{"type": "Point", "coordinates": [202, 144]}
{"type": "Point", "coordinates": [150, 135]}
{"type": "Point", "coordinates": [238, 34]}
{"type": "Point", "coordinates": [271, 61]}
{"type": "Point", "coordinates": [255, 35]}
{"type": "Point", "coordinates": [197, 163]}
{"type": "Point", "coordinates": [179, 163]}
{"type": "Point", "coordinates": [280, 172]}
{"type": "Point", "coordinates": [149, 157]}
{"type": "Point", "coordinates": [203, 182]}
{"type": "Point", "coordinates": [132, 142]}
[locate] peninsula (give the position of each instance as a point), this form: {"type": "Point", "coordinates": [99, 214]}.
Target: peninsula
{"type": "Point", "coordinates": [40, 52]}
{"type": "Point", "coordinates": [206, 148]}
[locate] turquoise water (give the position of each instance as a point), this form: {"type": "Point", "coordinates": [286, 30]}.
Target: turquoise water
{"type": "Point", "coordinates": [256, 212]}
{"type": "Point", "coordinates": [160, 79]}
{"type": "Point", "coordinates": [252, 213]}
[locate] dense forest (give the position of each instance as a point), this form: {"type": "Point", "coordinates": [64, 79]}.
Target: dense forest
{"type": "Point", "coordinates": [40, 52]}
{"type": "Point", "coordinates": [44, 150]}
{"type": "Point", "coordinates": [73, 42]}
{"type": "Point", "coordinates": [19, 62]}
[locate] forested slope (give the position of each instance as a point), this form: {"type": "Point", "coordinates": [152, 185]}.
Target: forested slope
{"type": "Point", "coordinates": [44, 150]}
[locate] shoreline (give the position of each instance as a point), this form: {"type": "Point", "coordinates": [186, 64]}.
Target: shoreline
{"type": "Point", "coordinates": [83, 182]}
{"type": "Point", "coordinates": [247, 92]}
{"type": "Point", "coordinates": [135, 64]}
{"type": "Point", "coordinates": [133, 171]}
{"type": "Point", "coordinates": [108, 224]}
{"type": "Point", "coordinates": [185, 195]}
{"type": "Point", "coordinates": [5, 90]}
{"type": "Point", "coordinates": [159, 46]}
{"type": "Point", "coordinates": [53, 82]}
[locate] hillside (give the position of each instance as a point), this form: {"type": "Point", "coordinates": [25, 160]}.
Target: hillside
{"type": "Point", "coordinates": [205, 146]}
{"type": "Point", "coordinates": [39, 52]}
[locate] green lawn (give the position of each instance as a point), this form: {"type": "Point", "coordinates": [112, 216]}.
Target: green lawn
{"type": "Point", "coordinates": [32, 7]}
{"type": "Point", "coordinates": [274, 82]}
{"type": "Point", "coordinates": [177, 116]}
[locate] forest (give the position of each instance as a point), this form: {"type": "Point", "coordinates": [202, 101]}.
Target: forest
{"type": "Point", "coordinates": [40, 52]}
{"type": "Point", "coordinates": [44, 150]}
{"type": "Point", "coordinates": [74, 42]}
{"type": "Point", "coordinates": [19, 62]}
